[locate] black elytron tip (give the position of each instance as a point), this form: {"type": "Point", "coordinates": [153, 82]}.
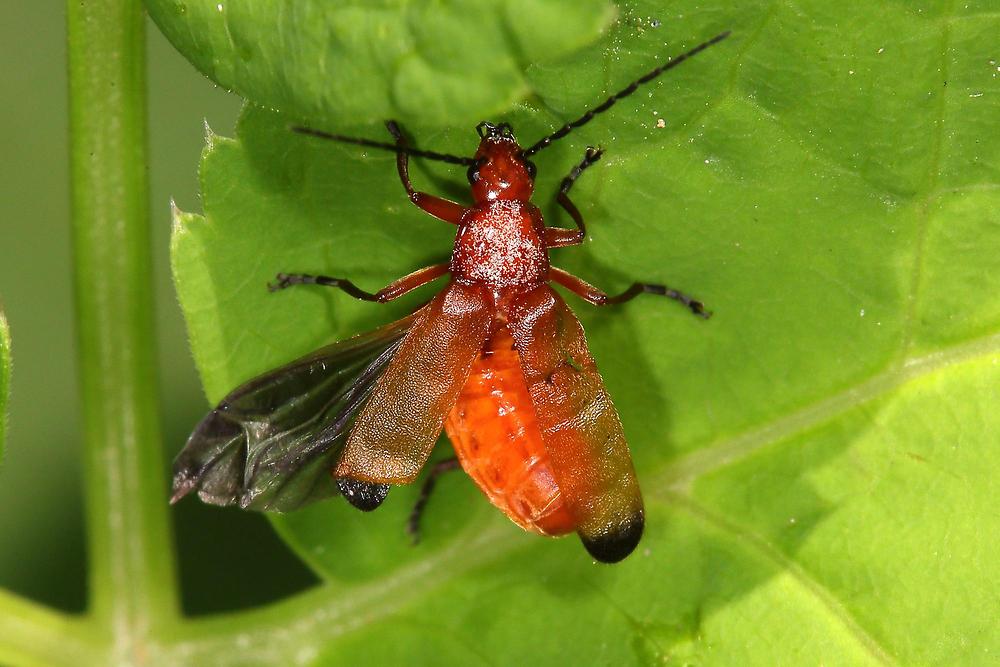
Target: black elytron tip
{"type": "Point", "coordinates": [363, 495]}
{"type": "Point", "coordinates": [617, 543]}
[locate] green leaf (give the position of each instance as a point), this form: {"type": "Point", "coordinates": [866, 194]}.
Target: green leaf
{"type": "Point", "coordinates": [818, 458]}
{"type": "Point", "coordinates": [333, 63]}
{"type": "Point", "coordinates": [4, 378]}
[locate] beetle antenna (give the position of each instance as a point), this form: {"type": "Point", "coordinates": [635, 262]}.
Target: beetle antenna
{"type": "Point", "coordinates": [430, 155]}
{"type": "Point", "coordinates": [625, 92]}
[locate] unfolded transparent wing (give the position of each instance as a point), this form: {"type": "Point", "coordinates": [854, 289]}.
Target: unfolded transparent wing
{"type": "Point", "coordinates": [272, 443]}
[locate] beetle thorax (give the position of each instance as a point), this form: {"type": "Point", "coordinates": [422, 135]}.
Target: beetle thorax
{"type": "Point", "coordinates": [501, 244]}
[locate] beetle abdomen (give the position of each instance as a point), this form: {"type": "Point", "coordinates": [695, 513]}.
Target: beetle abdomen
{"type": "Point", "coordinates": [495, 434]}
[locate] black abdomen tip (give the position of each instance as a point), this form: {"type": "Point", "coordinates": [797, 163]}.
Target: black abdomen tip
{"type": "Point", "coordinates": [366, 496]}
{"type": "Point", "coordinates": [617, 542]}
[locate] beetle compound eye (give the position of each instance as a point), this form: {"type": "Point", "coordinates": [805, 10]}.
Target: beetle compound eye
{"type": "Point", "coordinates": [473, 173]}
{"type": "Point", "coordinates": [532, 169]}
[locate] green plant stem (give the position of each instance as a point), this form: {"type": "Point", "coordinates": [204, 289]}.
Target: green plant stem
{"type": "Point", "coordinates": [4, 377]}
{"type": "Point", "coordinates": [33, 634]}
{"type": "Point", "coordinates": [132, 578]}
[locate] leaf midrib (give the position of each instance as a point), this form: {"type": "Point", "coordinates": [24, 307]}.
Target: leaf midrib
{"type": "Point", "coordinates": [679, 475]}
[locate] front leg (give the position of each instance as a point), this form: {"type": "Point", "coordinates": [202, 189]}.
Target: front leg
{"type": "Point", "coordinates": [391, 291]}
{"type": "Point", "coordinates": [556, 237]}
{"type": "Point", "coordinates": [442, 209]}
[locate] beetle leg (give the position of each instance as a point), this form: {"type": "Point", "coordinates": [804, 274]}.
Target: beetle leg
{"type": "Point", "coordinates": [443, 209]}
{"type": "Point", "coordinates": [556, 237]}
{"type": "Point", "coordinates": [438, 469]}
{"type": "Point", "coordinates": [391, 291]}
{"type": "Point", "coordinates": [595, 296]}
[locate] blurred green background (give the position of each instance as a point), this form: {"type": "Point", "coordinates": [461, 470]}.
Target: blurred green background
{"type": "Point", "coordinates": [41, 518]}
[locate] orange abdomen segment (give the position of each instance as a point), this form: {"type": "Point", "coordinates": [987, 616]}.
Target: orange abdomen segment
{"type": "Point", "coordinates": [495, 434]}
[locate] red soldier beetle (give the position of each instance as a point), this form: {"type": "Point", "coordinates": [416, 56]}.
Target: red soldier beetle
{"type": "Point", "coordinates": [496, 359]}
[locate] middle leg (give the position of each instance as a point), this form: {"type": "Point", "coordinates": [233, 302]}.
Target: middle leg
{"type": "Point", "coordinates": [391, 291]}
{"type": "Point", "coordinates": [588, 292]}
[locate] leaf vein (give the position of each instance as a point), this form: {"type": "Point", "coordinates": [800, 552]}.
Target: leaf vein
{"type": "Point", "coordinates": [759, 546]}
{"type": "Point", "coordinates": [679, 475]}
{"type": "Point", "coordinates": [933, 174]}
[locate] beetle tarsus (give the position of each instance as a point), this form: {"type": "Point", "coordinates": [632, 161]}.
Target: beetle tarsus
{"type": "Point", "coordinates": [286, 280]}
{"type": "Point", "coordinates": [696, 307]}
{"type": "Point", "coordinates": [598, 297]}
{"type": "Point", "coordinates": [592, 155]}
{"type": "Point", "coordinates": [280, 283]}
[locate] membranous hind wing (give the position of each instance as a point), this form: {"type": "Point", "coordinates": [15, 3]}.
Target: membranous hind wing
{"type": "Point", "coordinates": [273, 443]}
{"type": "Point", "coordinates": [580, 428]}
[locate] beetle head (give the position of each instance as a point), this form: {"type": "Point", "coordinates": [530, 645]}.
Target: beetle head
{"type": "Point", "coordinates": [500, 171]}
